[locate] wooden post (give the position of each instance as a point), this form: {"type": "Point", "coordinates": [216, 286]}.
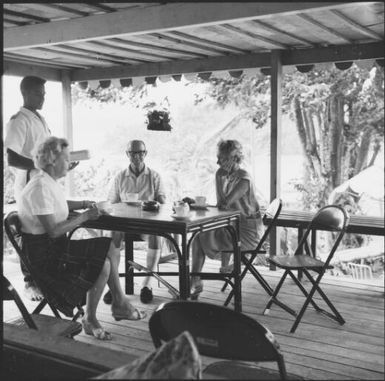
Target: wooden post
{"type": "Point", "coordinates": [67, 124]}
{"type": "Point", "coordinates": [275, 141]}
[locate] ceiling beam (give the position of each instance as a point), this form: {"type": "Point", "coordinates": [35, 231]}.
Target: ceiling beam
{"type": "Point", "coordinates": [135, 21]}
{"type": "Point", "coordinates": [236, 62]}
{"type": "Point", "coordinates": [340, 53]}
{"type": "Point", "coordinates": [22, 69]}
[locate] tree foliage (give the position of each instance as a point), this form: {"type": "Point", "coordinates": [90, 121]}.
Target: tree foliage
{"type": "Point", "coordinates": [339, 117]}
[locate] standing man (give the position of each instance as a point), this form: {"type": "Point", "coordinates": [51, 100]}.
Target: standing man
{"type": "Point", "coordinates": [138, 178]}
{"type": "Point", "coordinates": [24, 131]}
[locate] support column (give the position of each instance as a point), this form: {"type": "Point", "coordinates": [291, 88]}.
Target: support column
{"type": "Point", "coordinates": [67, 124]}
{"type": "Point", "coordinates": [275, 141]}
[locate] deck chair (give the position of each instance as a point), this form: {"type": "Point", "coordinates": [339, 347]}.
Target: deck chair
{"type": "Point", "coordinates": [248, 256]}
{"type": "Point", "coordinates": [221, 333]}
{"type": "Point", "coordinates": [48, 324]}
{"type": "Point", "coordinates": [331, 218]}
{"type": "Point", "coordinates": [12, 227]}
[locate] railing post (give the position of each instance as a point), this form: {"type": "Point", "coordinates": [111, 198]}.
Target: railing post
{"type": "Point", "coordinates": [275, 141]}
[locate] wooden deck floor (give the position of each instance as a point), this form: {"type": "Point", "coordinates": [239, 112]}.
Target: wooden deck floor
{"type": "Point", "coordinates": [320, 349]}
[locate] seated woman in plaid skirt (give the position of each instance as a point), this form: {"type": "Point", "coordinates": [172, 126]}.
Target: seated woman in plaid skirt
{"type": "Point", "coordinates": [68, 271]}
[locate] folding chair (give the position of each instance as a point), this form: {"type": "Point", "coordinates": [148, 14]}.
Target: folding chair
{"type": "Point", "coordinates": [331, 218]}
{"type": "Point", "coordinates": [12, 227]}
{"type": "Point", "coordinates": [48, 324]}
{"type": "Point", "coordinates": [219, 332]}
{"type": "Point", "coordinates": [248, 256]}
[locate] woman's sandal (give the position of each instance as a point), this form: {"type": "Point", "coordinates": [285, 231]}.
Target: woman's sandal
{"type": "Point", "coordinates": [99, 333]}
{"type": "Point", "coordinates": [136, 315]}
{"type": "Point", "coordinates": [195, 291]}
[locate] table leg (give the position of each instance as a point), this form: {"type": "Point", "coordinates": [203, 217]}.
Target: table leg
{"type": "Point", "coordinates": [129, 256]}
{"type": "Point", "coordinates": [234, 232]}
{"type": "Point", "coordinates": [184, 270]}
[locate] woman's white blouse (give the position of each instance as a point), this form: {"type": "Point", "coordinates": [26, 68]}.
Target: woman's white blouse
{"type": "Point", "coordinates": [41, 196]}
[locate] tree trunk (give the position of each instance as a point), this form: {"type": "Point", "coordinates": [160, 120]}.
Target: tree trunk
{"type": "Point", "coordinates": [336, 140]}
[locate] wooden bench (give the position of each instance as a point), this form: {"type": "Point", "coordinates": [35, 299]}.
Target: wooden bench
{"type": "Point", "coordinates": [31, 354]}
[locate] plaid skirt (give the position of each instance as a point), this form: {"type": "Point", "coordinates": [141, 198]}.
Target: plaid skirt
{"type": "Point", "coordinates": [65, 269]}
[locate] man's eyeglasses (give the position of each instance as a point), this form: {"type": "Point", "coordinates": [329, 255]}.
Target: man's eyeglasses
{"type": "Point", "coordinates": [140, 153]}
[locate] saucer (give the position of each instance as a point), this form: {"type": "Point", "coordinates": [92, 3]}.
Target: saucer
{"type": "Point", "coordinates": [133, 203]}
{"type": "Point", "coordinates": [181, 217]}
{"type": "Point", "coordinates": [199, 207]}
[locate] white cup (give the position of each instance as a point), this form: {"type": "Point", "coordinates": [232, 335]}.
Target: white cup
{"type": "Point", "coordinates": [130, 197]}
{"type": "Point", "coordinates": [104, 206]}
{"type": "Point", "coordinates": [200, 200]}
{"type": "Point", "coordinates": [182, 210]}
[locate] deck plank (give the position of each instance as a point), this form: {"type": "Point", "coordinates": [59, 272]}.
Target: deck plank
{"type": "Point", "coordinates": [320, 349]}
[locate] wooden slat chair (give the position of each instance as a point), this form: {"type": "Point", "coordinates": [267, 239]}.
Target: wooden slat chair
{"type": "Point", "coordinates": [12, 227]}
{"type": "Point", "coordinates": [330, 218]}
{"type": "Point", "coordinates": [248, 256]}
{"type": "Point", "coordinates": [221, 333]}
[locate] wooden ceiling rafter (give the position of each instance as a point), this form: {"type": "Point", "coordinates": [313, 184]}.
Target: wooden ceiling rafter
{"type": "Point", "coordinates": [87, 53]}
{"type": "Point", "coordinates": [325, 28]}
{"type": "Point", "coordinates": [78, 56]}
{"type": "Point", "coordinates": [73, 11]}
{"type": "Point", "coordinates": [30, 17]}
{"type": "Point", "coordinates": [176, 40]}
{"type": "Point", "coordinates": [356, 25]}
{"type": "Point", "coordinates": [101, 7]}
{"type": "Point", "coordinates": [40, 61]}
{"type": "Point", "coordinates": [266, 26]}
{"type": "Point", "coordinates": [123, 43]}
{"type": "Point", "coordinates": [253, 36]}
{"type": "Point", "coordinates": [185, 36]}
{"type": "Point", "coordinates": [164, 37]}
{"type": "Point", "coordinates": [14, 22]}
{"type": "Point", "coordinates": [107, 45]}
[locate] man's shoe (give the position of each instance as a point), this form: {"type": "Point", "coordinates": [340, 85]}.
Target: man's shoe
{"type": "Point", "coordinates": [146, 295]}
{"type": "Point", "coordinates": [107, 298]}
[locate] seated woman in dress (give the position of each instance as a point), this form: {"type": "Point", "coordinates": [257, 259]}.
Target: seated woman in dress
{"type": "Point", "coordinates": [68, 271]}
{"type": "Point", "coordinates": [235, 190]}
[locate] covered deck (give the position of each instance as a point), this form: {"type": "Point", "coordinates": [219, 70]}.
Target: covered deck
{"type": "Point", "coordinates": [320, 349]}
{"type": "Point", "coordinates": [132, 42]}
